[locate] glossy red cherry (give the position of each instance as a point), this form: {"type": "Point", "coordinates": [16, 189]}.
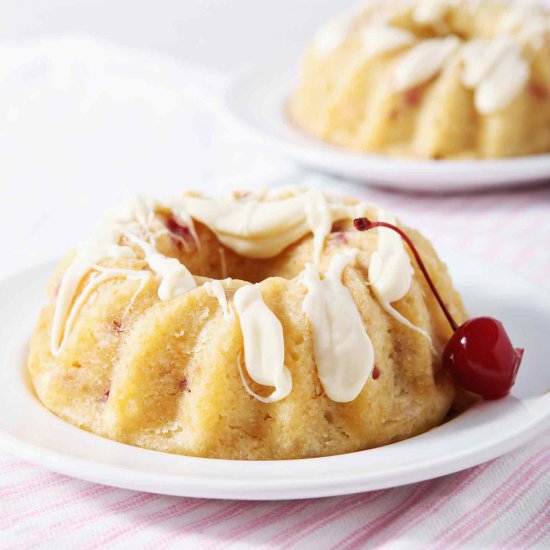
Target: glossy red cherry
{"type": "Point", "coordinates": [482, 358]}
{"type": "Point", "coordinates": [479, 354]}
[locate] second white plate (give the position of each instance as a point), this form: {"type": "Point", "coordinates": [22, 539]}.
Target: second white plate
{"type": "Point", "coordinates": [257, 99]}
{"type": "Point", "coordinates": [485, 431]}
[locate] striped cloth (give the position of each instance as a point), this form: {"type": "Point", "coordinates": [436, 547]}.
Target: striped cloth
{"type": "Point", "coordinates": [501, 504]}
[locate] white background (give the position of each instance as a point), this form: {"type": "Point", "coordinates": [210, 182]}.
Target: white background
{"type": "Point", "coordinates": [82, 123]}
{"type": "Point", "coordinates": [223, 34]}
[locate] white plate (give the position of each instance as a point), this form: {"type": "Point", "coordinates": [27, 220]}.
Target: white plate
{"type": "Point", "coordinates": [488, 430]}
{"type": "Point", "coordinates": [257, 99]}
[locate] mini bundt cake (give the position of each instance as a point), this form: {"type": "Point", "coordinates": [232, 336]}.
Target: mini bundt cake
{"type": "Point", "coordinates": [261, 325]}
{"type": "Point", "coordinates": [430, 79]}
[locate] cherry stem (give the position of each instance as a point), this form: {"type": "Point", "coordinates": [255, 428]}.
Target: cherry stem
{"type": "Point", "coordinates": [364, 224]}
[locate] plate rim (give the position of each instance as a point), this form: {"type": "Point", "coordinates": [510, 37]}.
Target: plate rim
{"type": "Point", "coordinates": [323, 156]}
{"type": "Point", "coordinates": [251, 489]}
{"type": "Point", "coordinates": [224, 489]}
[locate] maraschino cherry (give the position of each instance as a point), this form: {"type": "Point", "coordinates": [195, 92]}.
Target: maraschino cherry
{"type": "Point", "coordinates": [479, 354]}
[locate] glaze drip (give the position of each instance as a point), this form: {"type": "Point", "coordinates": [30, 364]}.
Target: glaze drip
{"type": "Point", "coordinates": [432, 12]}
{"type": "Point", "coordinates": [343, 351]}
{"type": "Point", "coordinates": [215, 289]}
{"type": "Point", "coordinates": [332, 35]}
{"type": "Point", "coordinates": [378, 40]}
{"type": "Point", "coordinates": [264, 347]}
{"type": "Point", "coordinates": [319, 220]}
{"type": "Point", "coordinates": [424, 61]}
{"type": "Point", "coordinates": [390, 271]}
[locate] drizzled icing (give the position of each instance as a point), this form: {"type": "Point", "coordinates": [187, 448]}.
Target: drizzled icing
{"type": "Point", "coordinates": [319, 220]}
{"type": "Point", "coordinates": [431, 12]}
{"type": "Point", "coordinates": [67, 308]}
{"type": "Point", "coordinates": [260, 226]}
{"type": "Point", "coordinates": [486, 63]}
{"type": "Point", "coordinates": [390, 271]}
{"type": "Point", "coordinates": [175, 278]}
{"type": "Point", "coordinates": [133, 223]}
{"type": "Point", "coordinates": [424, 61]}
{"type": "Point", "coordinates": [480, 57]}
{"type": "Point", "coordinates": [257, 225]}
{"type": "Point", "coordinates": [343, 351]}
{"type": "Point", "coordinates": [215, 289]}
{"type": "Point", "coordinates": [264, 348]}
{"type": "Point", "coordinates": [252, 228]}
{"type": "Point", "coordinates": [378, 39]}
{"type": "Point", "coordinates": [332, 35]}
{"type": "Point", "coordinates": [487, 66]}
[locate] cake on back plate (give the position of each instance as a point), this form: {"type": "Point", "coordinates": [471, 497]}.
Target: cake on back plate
{"type": "Point", "coordinates": [261, 325]}
{"type": "Point", "coordinates": [430, 79]}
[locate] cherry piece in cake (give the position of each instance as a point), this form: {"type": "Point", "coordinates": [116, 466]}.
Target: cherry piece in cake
{"type": "Point", "coordinates": [181, 231]}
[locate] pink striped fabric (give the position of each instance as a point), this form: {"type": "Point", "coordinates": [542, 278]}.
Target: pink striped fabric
{"type": "Point", "coordinates": [502, 504]}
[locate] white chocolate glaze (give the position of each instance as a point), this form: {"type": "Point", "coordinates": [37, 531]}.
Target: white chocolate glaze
{"type": "Point", "coordinates": [67, 307]}
{"type": "Point", "coordinates": [390, 271]}
{"type": "Point", "coordinates": [264, 346]}
{"type": "Point", "coordinates": [332, 35]}
{"type": "Point", "coordinates": [80, 266]}
{"type": "Point", "coordinates": [489, 67]}
{"type": "Point", "coordinates": [262, 226]}
{"type": "Point", "coordinates": [431, 12]}
{"type": "Point", "coordinates": [251, 227]}
{"type": "Point", "coordinates": [378, 40]}
{"type": "Point", "coordinates": [142, 276]}
{"type": "Point", "coordinates": [343, 351]}
{"type": "Point", "coordinates": [215, 289]}
{"type": "Point", "coordinates": [480, 57]}
{"type": "Point", "coordinates": [133, 222]}
{"type": "Point", "coordinates": [175, 278]}
{"type": "Point", "coordinates": [424, 61]}
{"type": "Point", "coordinates": [319, 220]}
